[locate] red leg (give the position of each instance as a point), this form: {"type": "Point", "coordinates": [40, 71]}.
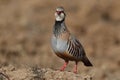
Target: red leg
{"type": "Point", "coordinates": [64, 66]}
{"type": "Point", "coordinates": [75, 68]}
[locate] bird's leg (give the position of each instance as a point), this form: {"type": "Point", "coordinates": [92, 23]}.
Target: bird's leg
{"type": "Point", "coordinates": [64, 66]}
{"type": "Point", "coordinates": [75, 67]}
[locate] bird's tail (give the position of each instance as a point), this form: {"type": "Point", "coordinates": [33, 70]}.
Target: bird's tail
{"type": "Point", "coordinates": [86, 61]}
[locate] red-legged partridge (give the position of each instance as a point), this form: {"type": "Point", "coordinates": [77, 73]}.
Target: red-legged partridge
{"type": "Point", "coordinates": [64, 44]}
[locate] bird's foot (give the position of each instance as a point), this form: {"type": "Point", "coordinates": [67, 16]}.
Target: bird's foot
{"type": "Point", "coordinates": [62, 69]}
{"type": "Point", "coordinates": [75, 68]}
{"type": "Point", "coordinates": [64, 66]}
{"type": "Point", "coordinates": [75, 71]}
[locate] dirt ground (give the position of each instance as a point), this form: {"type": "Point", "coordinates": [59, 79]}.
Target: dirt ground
{"type": "Point", "coordinates": [26, 28]}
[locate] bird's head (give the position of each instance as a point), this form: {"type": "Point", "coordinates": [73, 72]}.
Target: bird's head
{"type": "Point", "coordinates": [59, 14]}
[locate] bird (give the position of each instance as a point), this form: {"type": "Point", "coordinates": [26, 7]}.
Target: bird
{"type": "Point", "coordinates": [64, 44]}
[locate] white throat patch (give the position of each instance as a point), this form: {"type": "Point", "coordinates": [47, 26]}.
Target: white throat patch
{"type": "Point", "coordinates": [59, 17]}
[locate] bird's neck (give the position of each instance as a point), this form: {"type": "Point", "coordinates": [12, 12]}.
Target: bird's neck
{"type": "Point", "coordinates": [59, 28]}
{"type": "Point", "coordinates": [59, 24]}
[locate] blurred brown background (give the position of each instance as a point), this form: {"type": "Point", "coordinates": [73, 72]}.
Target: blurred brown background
{"type": "Point", "coordinates": [26, 27]}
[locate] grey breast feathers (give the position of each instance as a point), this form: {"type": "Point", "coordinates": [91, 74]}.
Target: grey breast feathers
{"type": "Point", "coordinates": [59, 45]}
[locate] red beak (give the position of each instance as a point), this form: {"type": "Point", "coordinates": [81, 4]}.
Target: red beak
{"type": "Point", "coordinates": [58, 12]}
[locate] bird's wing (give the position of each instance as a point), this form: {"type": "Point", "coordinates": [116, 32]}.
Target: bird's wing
{"type": "Point", "coordinates": [75, 48]}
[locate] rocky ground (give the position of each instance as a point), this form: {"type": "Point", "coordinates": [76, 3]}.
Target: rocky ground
{"type": "Point", "coordinates": [26, 27]}
{"type": "Point", "coordinates": [35, 73]}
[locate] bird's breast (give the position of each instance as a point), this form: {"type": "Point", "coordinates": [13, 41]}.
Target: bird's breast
{"type": "Point", "coordinates": [58, 45]}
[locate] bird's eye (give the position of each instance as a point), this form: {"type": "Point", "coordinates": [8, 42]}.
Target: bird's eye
{"type": "Point", "coordinates": [59, 12]}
